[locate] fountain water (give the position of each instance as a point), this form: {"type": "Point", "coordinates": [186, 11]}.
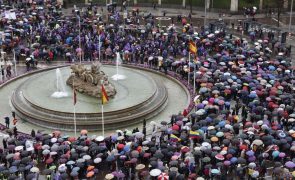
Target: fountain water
{"type": "Point", "coordinates": [60, 86]}
{"type": "Point", "coordinates": [118, 76]}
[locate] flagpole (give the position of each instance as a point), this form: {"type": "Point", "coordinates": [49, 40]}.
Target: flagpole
{"type": "Point", "coordinates": [15, 72]}
{"type": "Point", "coordinates": [102, 120]}
{"type": "Point", "coordinates": [99, 47]}
{"type": "Point", "coordinates": [194, 78]}
{"type": "Point", "coordinates": [117, 64]}
{"type": "Point", "coordinates": [189, 67]}
{"type": "Point", "coordinates": [75, 124]}
{"type": "Point", "coordinates": [80, 40]}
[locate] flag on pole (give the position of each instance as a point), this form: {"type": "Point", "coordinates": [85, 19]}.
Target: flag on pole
{"type": "Point", "coordinates": [75, 96]}
{"type": "Point", "coordinates": [104, 95]}
{"type": "Point", "coordinates": [192, 47]}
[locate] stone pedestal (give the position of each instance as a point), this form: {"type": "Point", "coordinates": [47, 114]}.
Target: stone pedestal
{"type": "Point", "coordinates": [135, 2]}
{"type": "Point", "coordinates": [183, 3]}
{"type": "Point", "coordinates": [234, 5]}
{"type": "Point", "coordinates": [159, 2]}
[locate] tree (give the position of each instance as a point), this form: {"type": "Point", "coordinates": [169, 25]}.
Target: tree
{"type": "Point", "coordinates": [280, 8]}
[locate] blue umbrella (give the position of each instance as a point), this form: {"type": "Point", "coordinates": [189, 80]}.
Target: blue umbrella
{"type": "Point", "coordinates": [13, 169]}
{"type": "Point", "coordinates": [271, 68]}
{"type": "Point", "coordinates": [275, 154]}
{"type": "Point", "coordinates": [127, 148]}
{"type": "Point", "coordinates": [221, 123]}
{"type": "Point", "coordinates": [76, 169]}
{"type": "Point", "coordinates": [110, 158]}
{"type": "Point", "coordinates": [233, 160]}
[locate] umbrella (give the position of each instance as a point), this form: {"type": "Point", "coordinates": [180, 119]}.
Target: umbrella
{"type": "Point", "coordinates": [219, 157]}
{"type": "Point", "coordinates": [163, 176]}
{"type": "Point", "coordinates": [206, 159]}
{"type": "Point", "coordinates": [74, 173]}
{"type": "Point", "coordinates": [45, 152]}
{"type": "Point", "coordinates": [13, 169]}
{"type": "Point", "coordinates": [90, 174]}
{"type": "Point", "coordinates": [155, 172]}
{"type": "Point", "coordinates": [18, 148]}
{"type": "Point", "coordinates": [49, 161]}
{"type": "Point", "coordinates": [62, 168]}
{"type": "Point", "coordinates": [257, 142]}
{"type": "Point", "coordinates": [215, 171]}
{"type": "Point", "coordinates": [140, 167]}
{"type": "Point", "coordinates": [34, 170]}
{"type": "Point", "coordinates": [47, 171]}
{"type": "Point", "coordinates": [97, 160]}
{"type": "Point", "coordinates": [290, 164]}
{"type": "Point", "coordinates": [70, 162]}
{"type": "Point", "coordinates": [86, 157]}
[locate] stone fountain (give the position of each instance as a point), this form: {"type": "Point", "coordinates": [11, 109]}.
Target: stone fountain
{"type": "Point", "coordinates": [88, 81]}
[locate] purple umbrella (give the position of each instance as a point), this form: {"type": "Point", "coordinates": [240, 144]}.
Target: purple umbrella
{"type": "Point", "coordinates": [251, 158]}
{"type": "Point", "coordinates": [290, 164]}
{"type": "Point", "coordinates": [227, 163]}
{"type": "Point", "coordinates": [250, 153]}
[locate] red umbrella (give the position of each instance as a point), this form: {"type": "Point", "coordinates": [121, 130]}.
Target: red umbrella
{"type": "Point", "coordinates": [219, 157]}
{"type": "Point", "coordinates": [71, 139]}
{"type": "Point", "coordinates": [175, 127]}
{"type": "Point", "coordinates": [120, 146]}
{"type": "Point", "coordinates": [49, 161]}
{"type": "Point", "coordinates": [184, 149]}
{"type": "Point", "coordinates": [163, 176]}
{"type": "Point", "coordinates": [243, 147]}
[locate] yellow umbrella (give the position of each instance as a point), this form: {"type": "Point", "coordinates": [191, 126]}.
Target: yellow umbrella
{"type": "Point", "coordinates": [214, 139]}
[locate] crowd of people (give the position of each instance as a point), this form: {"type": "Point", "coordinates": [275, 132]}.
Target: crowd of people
{"type": "Point", "coordinates": [242, 121]}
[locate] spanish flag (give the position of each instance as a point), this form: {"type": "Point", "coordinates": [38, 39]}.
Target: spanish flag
{"type": "Point", "coordinates": [104, 95]}
{"type": "Point", "coordinates": [192, 47]}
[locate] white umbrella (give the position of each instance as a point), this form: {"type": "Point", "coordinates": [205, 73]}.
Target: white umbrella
{"type": "Point", "coordinates": [97, 160]}
{"type": "Point", "coordinates": [19, 148]}
{"type": "Point", "coordinates": [155, 172]}
{"type": "Point", "coordinates": [34, 170]}
{"type": "Point", "coordinates": [99, 138]}
{"type": "Point", "coordinates": [120, 138]}
{"type": "Point", "coordinates": [86, 157]}
{"type": "Point", "coordinates": [62, 168]}
{"type": "Point", "coordinates": [45, 146]}
{"type": "Point", "coordinates": [45, 152]}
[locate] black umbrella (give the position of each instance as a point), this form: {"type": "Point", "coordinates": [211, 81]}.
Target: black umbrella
{"type": "Point", "coordinates": [12, 177]}
{"type": "Point", "coordinates": [64, 176]}
{"type": "Point", "coordinates": [31, 176]}
{"type": "Point", "coordinates": [173, 163]}
{"type": "Point", "coordinates": [47, 171]}
{"type": "Point", "coordinates": [16, 162]}
{"type": "Point", "coordinates": [241, 160]}
{"type": "Point", "coordinates": [153, 164]}
{"type": "Point", "coordinates": [26, 160]}
{"type": "Point", "coordinates": [74, 173]}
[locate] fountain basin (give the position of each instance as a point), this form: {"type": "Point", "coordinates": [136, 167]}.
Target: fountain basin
{"type": "Point", "coordinates": [133, 102]}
